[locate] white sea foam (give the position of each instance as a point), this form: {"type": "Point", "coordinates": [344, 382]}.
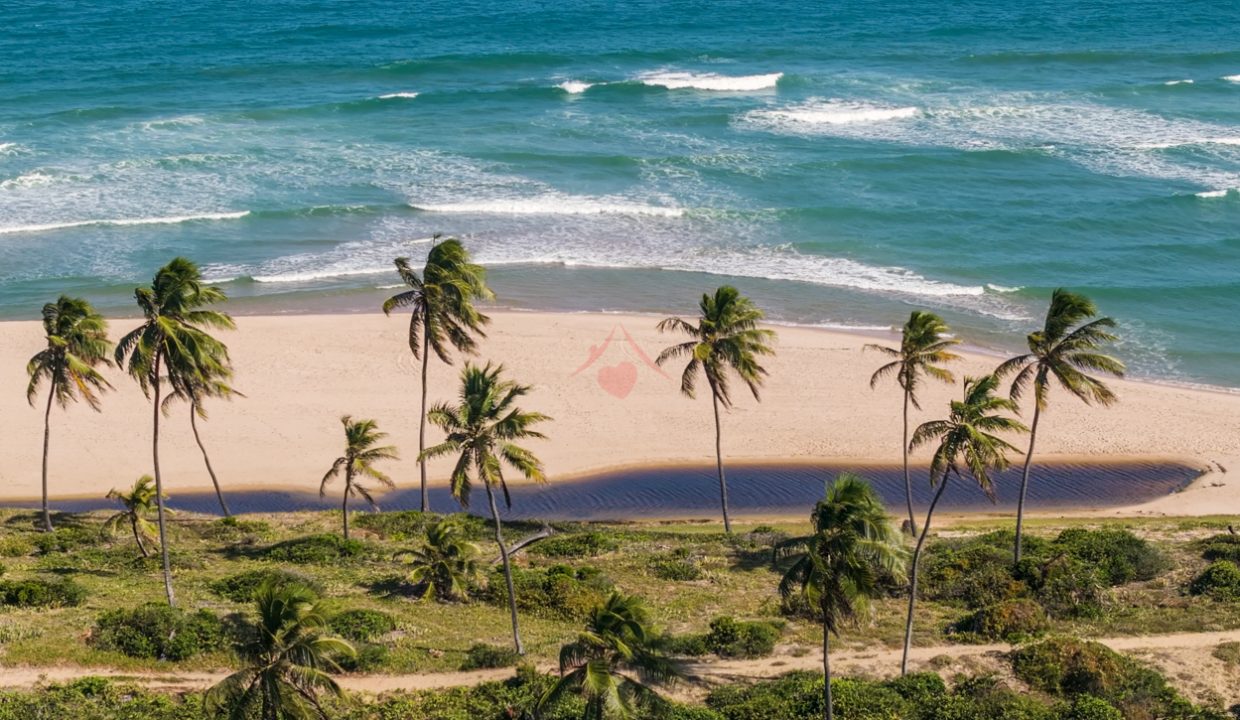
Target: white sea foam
{"type": "Point", "coordinates": [171, 220]}
{"type": "Point", "coordinates": [1217, 193]}
{"type": "Point", "coordinates": [1231, 78]}
{"type": "Point", "coordinates": [29, 180]}
{"type": "Point", "coordinates": [575, 87]}
{"type": "Point", "coordinates": [1179, 82]}
{"type": "Point", "coordinates": [325, 274]}
{"type": "Point", "coordinates": [709, 81]}
{"type": "Point", "coordinates": [172, 122]}
{"type": "Point", "coordinates": [1002, 289]}
{"type": "Point", "coordinates": [404, 95]}
{"type": "Point", "coordinates": [830, 113]}
{"type": "Point", "coordinates": [549, 205]}
{"type": "Point", "coordinates": [9, 148]}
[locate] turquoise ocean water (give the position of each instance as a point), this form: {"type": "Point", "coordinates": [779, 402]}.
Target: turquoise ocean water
{"type": "Point", "coordinates": [842, 162]}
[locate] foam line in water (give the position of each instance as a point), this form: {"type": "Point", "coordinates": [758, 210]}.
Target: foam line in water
{"type": "Point", "coordinates": [833, 113]}
{"type": "Point", "coordinates": [575, 87]}
{"type": "Point", "coordinates": [709, 81]}
{"type": "Point", "coordinates": [1217, 193]}
{"type": "Point", "coordinates": [1186, 81]}
{"type": "Point", "coordinates": [548, 206]}
{"type": "Point", "coordinates": [171, 220]}
{"type": "Point", "coordinates": [396, 95]}
{"type": "Point", "coordinates": [1231, 78]}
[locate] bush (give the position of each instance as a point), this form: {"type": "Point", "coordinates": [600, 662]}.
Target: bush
{"type": "Point", "coordinates": [15, 546]}
{"type": "Point", "coordinates": [1220, 547]}
{"type": "Point", "coordinates": [400, 525]}
{"type": "Point", "coordinates": [557, 591]}
{"type": "Point", "coordinates": [1119, 556]}
{"type": "Point", "coordinates": [731, 638]}
{"type": "Point", "coordinates": [1088, 707]}
{"type": "Point", "coordinates": [690, 645]}
{"type": "Point", "coordinates": [1228, 652]}
{"type": "Point", "coordinates": [41, 593]}
{"type": "Point", "coordinates": [1066, 587]}
{"type": "Point", "coordinates": [315, 550]}
{"type": "Point", "coordinates": [1012, 620]}
{"type": "Point", "coordinates": [675, 566]}
{"type": "Point", "coordinates": [158, 632]}
{"type": "Point", "coordinates": [369, 656]}
{"type": "Point", "coordinates": [921, 689]}
{"type": "Point", "coordinates": [1221, 581]}
{"type": "Point", "coordinates": [976, 574]}
{"type": "Point", "coordinates": [362, 624]}
{"type": "Point", "coordinates": [243, 587]}
{"type": "Point", "coordinates": [579, 545]}
{"type": "Point", "coordinates": [64, 539]}
{"type": "Point", "coordinates": [481, 656]}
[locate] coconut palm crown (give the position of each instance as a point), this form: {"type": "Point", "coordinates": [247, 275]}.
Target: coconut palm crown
{"type": "Point", "coordinates": [138, 503]}
{"type": "Point", "coordinates": [447, 563]}
{"type": "Point", "coordinates": [725, 342]}
{"type": "Point", "coordinates": [1062, 353]}
{"type": "Point", "coordinates": [361, 452]}
{"type": "Point", "coordinates": [443, 314]}
{"type": "Point", "coordinates": [77, 344]}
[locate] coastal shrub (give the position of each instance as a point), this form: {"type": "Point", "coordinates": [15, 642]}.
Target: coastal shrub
{"type": "Point", "coordinates": [1117, 554]}
{"type": "Point", "coordinates": [976, 574]}
{"type": "Point", "coordinates": [687, 645]}
{"type": "Point", "coordinates": [366, 657]}
{"type": "Point", "coordinates": [1220, 547]}
{"type": "Point", "coordinates": [985, 697]}
{"type": "Point", "coordinates": [315, 550]}
{"type": "Point", "coordinates": [729, 637]}
{"type": "Point", "coordinates": [362, 624]}
{"type": "Point", "coordinates": [41, 593]}
{"type": "Point", "coordinates": [233, 528]}
{"type": "Point", "coordinates": [675, 565]}
{"type": "Point", "coordinates": [482, 656]}
{"type": "Point", "coordinates": [1065, 586]}
{"type": "Point", "coordinates": [158, 632]}
{"type": "Point", "coordinates": [1011, 620]}
{"type": "Point", "coordinates": [64, 539]}
{"type": "Point", "coordinates": [919, 688]}
{"type": "Point", "coordinates": [94, 698]}
{"type": "Point", "coordinates": [397, 525]}
{"type": "Point", "coordinates": [1088, 707]}
{"type": "Point", "coordinates": [243, 587]}
{"type": "Point", "coordinates": [577, 545]}
{"type": "Point", "coordinates": [15, 546]}
{"type": "Point", "coordinates": [556, 591]}
{"type": "Point", "coordinates": [1221, 581]}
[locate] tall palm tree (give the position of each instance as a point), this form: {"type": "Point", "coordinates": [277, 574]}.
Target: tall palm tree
{"type": "Point", "coordinates": [837, 568]}
{"type": "Point", "coordinates": [361, 452]}
{"type": "Point", "coordinates": [726, 340]}
{"type": "Point", "coordinates": [289, 663]}
{"type": "Point", "coordinates": [172, 345]}
{"type": "Point", "coordinates": [967, 437]}
{"type": "Point", "coordinates": [612, 663]}
{"type": "Point", "coordinates": [924, 346]}
{"type": "Point", "coordinates": [443, 314]}
{"type": "Point", "coordinates": [138, 503]}
{"type": "Point", "coordinates": [77, 343]}
{"type": "Point", "coordinates": [1064, 351]}
{"type": "Point", "coordinates": [482, 431]}
{"type": "Point", "coordinates": [195, 389]}
{"type": "Point", "coordinates": [447, 563]}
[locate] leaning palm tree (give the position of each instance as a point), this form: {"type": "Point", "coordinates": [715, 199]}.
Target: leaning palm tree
{"type": "Point", "coordinates": [837, 568]}
{"type": "Point", "coordinates": [77, 343]}
{"type": "Point", "coordinates": [482, 431]}
{"type": "Point", "coordinates": [924, 346]}
{"type": "Point", "coordinates": [726, 339]}
{"type": "Point", "coordinates": [195, 390]}
{"type": "Point", "coordinates": [613, 663]}
{"type": "Point", "coordinates": [138, 503]}
{"type": "Point", "coordinates": [967, 437]}
{"type": "Point", "coordinates": [443, 314]}
{"type": "Point", "coordinates": [288, 664]}
{"type": "Point", "coordinates": [172, 346]}
{"type": "Point", "coordinates": [1063, 351]}
{"type": "Point", "coordinates": [361, 452]}
{"type": "Point", "coordinates": [447, 563]}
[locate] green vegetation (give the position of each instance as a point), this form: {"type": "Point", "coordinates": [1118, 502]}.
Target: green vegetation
{"type": "Point", "coordinates": [361, 452]}
{"type": "Point", "coordinates": [447, 564]}
{"type": "Point", "coordinates": [481, 656]}
{"type": "Point", "coordinates": [736, 639]}
{"type": "Point", "coordinates": [1221, 581]}
{"type": "Point", "coordinates": [40, 593]}
{"type": "Point", "coordinates": [725, 341]}
{"type": "Point", "coordinates": [158, 632]}
{"type": "Point", "coordinates": [138, 504]}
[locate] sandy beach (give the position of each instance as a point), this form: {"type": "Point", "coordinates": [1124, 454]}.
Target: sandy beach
{"type": "Point", "coordinates": [594, 374]}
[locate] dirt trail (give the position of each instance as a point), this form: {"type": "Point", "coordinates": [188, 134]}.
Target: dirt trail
{"type": "Point", "coordinates": [873, 661]}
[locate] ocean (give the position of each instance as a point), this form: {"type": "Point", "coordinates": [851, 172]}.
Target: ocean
{"type": "Point", "coordinates": [843, 163]}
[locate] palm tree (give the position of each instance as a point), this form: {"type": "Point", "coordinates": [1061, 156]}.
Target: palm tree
{"type": "Point", "coordinates": [447, 563]}
{"type": "Point", "coordinates": [726, 338]}
{"type": "Point", "coordinates": [360, 456]}
{"type": "Point", "coordinates": [173, 345]}
{"type": "Point", "coordinates": [966, 437]}
{"type": "Point", "coordinates": [77, 343]}
{"type": "Point", "coordinates": [443, 314]}
{"type": "Point", "coordinates": [837, 568]}
{"type": "Point", "coordinates": [195, 390]}
{"type": "Point", "coordinates": [612, 663]}
{"type": "Point", "coordinates": [288, 665]}
{"type": "Point", "coordinates": [482, 431]}
{"type": "Point", "coordinates": [138, 502]}
{"type": "Point", "coordinates": [1064, 351]}
{"type": "Point", "coordinates": [923, 347]}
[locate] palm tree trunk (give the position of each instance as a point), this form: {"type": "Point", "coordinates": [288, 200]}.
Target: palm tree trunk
{"type": "Point", "coordinates": [193, 423]}
{"type": "Point", "coordinates": [912, 589]}
{"type": "Point", "coordinates": [344, 503]}
{"type": "Point", "coordinates": [723, 483]}
{"type": "Point", "coordinates": [137, 537]}
{"type": "Point", "coordinates": [1024, 480]}
{"type": "Point", "coordinates": [47, 436]}
{"type": "Point", "coordinates": [426, 348]}
{"type": "Point", "coordinates": [828, 712]}
{"type": "Point", "coordinates": [503, 553]}
{"type": "Point", "coordinates": [908, 483]}
{"type": "Point", "coordinates": [159, 487]}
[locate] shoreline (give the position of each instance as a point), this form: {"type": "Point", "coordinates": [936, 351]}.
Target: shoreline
{"type": "Point", "coordinates": [817, 407]}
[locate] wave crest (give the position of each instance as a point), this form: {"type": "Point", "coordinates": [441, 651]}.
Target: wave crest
{"type": "Point", "coordinates": [549, 205]}
{"type": "Point", "coordinates": [398, 95]}
{"type": "Point", "coordinates": [709, 81]}
{"type": "Point", "coordinates": [831, 113]}
{"type": "Point", "coordinates": [170, 220]}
